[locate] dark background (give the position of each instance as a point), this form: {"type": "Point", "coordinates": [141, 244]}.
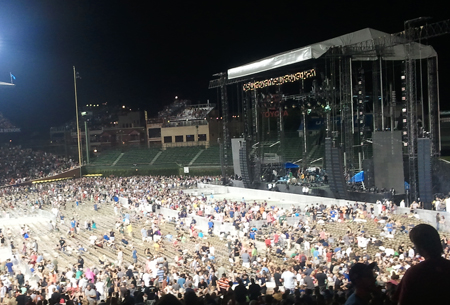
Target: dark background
{"type": "Point", "coordinates": [144, 53]}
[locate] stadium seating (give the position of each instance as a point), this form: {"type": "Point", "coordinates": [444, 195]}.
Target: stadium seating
{"type": "Point", "coordinates": [179, 155]}
{"type": "Point", "coordinates": [106, 158]}
{"type": "Point", "coordinates": [209, 156]}
{"type": "Point", "coordinates": [141, 156]}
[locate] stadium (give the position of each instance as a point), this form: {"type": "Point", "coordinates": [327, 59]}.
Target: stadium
{"type": "Point", "coordinates": [314, 177]}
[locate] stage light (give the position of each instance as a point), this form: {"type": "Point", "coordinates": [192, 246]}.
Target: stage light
{"type": "Point", "coordinates": [403, 109]}
{"type": "Point", "coordinates": [123, 106]}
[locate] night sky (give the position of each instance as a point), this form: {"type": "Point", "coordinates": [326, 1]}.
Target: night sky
{"type": "Point", "coordinates": [143, 55]}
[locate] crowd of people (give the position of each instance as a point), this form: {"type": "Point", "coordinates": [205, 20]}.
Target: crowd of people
{"type": "Point", "coordinates": [18, 165]}
{"type": "Point", "coordinates": [274, 254]}
{"type": "Point", "coordinates": [193, 113]}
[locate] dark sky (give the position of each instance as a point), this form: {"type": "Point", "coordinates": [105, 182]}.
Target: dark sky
{"type": "Point", "coordinates": [142, 55]}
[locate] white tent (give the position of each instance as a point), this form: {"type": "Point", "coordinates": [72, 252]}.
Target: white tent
{"type": "Point", "coordinates": [6, 84]}
{"type": "Point", "coordinates": [397, 52]}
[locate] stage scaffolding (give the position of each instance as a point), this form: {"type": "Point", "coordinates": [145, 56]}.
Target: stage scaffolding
{"type": "Point", "coordinates": [390, 63]}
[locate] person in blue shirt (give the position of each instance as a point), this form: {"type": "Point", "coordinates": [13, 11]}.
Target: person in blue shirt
{"type": "Point", "coordinates": [9, 266]}
{"type": "Point", "coordinates": [231, 214]}
{"type": "Point", "coordinates": [210, 224]}
{"type": "Point", "coordinates": [389, 227]}
{"type": "Point", "coordinates": [134, 255]}
{"type": "Point", "coordinates": [181, 281]}
{"type": "Point", "coordinates": [252, 235]}
{"type": "Point", "coordinates": [200, 234]}
{"type": "Point", "coordinates": [316, 253]}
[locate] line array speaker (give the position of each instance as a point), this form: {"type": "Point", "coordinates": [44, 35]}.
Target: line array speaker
{"type": "Point", "coordinates": [335, 170]}
{"type": "Point", "coordinates": [245, 168]}
{"type": "Point", "coordinates": [424, 171]}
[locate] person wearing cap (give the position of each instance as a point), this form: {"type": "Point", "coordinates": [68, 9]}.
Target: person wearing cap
{"type": "Point", "coordinates": [363, 280]}
{"type": "Point", "coordinates": [428, 281]}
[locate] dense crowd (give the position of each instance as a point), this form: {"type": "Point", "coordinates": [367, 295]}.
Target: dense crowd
{"type": "Point", "coordinates": [19, 165]}
{"type": "Point", "coordinates": [192, 113]}
{"type": "Point", "coordinates": [312, 254]}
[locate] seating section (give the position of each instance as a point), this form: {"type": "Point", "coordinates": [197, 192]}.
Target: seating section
{"type": "Point", "coordinates": [179, 155]}
{"type": "Point", "coordinates": [106, 157]}
{"type": "Point", "coordinates": [210, 156]}
{"type": "Point", "coordinates": [137, 156]}
{"type": "Point", "coordinates": [105, 219]}
{"type": "Point", "coordinates": [293, 151]}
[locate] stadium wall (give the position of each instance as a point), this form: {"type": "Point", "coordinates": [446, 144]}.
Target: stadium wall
{"type": "Point", "coordinates": [151, 170]}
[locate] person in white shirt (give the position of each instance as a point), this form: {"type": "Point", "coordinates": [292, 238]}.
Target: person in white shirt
{"type": "Point", "coordinates": [50, 289]}
{"type": "Point", "coordinates": [306, 244]}
{"type": "Point", "coordinates": [119, 258]}
{"type": "Point", "coordinates": [288, 278]}
{"type": "Point", "coordinates": [82, 283]}
{"type": "Point", "coordinates": [411, 252]}
{"type": "Point", "coordinates": [99, 286]}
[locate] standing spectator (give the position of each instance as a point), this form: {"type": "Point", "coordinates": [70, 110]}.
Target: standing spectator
{"type": "Point", "coordinates": [134, 255]}
{"type": "Point", "coordinates": [119, 257]}
{"type": "Point", "coordinates": [438, 221]}
{"type": "Point", "coordinates": [20, 278]}
{"type": "Point", "coordinates": [91, 295]}
{"type": "Point", "coordinates": [363, 279]}
{"type": "Point", "coordinates": [245, 259]}
{"type": "Point", "coordinates": [288, 278]}
{"type": "Point", "coordinates": [223, 284]}
{"type": "Point", "coordinates": [9, 266]}
{"type": "Point", "coordinates": [321, 279]}
{"type": "Point", "coordinates": [428, 281]}
{"type": "Point", "coordinates": [241, 292]}
{"type": "Point", "coordinates": [254, 290]}
{"type": "Point", "coordinates": [23, 299]}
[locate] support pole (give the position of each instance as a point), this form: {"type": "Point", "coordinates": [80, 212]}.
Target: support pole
{"type": "Point", "coordinates": [381, 95]}
{"type": "Point", "coordinates": [392, 106]}
{"type": "Point", "coordinates": [376, 112]}
{"type": "Point", "coordinates": [76, 112]}
{"type": "Point", "coordinates": [86, 133]}
{"type": "Point", "coordinates": [305, 142]}
{"type": "Point", "coordinates": [351, 97]}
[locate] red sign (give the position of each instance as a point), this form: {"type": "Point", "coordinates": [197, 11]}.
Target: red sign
{"type": "Point", "coordinates": [274, 114]}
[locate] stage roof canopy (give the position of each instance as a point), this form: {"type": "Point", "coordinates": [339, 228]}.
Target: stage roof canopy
{"type": "Point", "coordinates": [396, 52]}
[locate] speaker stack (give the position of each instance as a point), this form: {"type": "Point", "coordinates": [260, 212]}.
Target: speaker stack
{"type": "Point", "coordinates": [244, 164]}
{"type": "Point", "coordinates": [424, 171]}
{"type": "Point", "coordinates": [335, 170]}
